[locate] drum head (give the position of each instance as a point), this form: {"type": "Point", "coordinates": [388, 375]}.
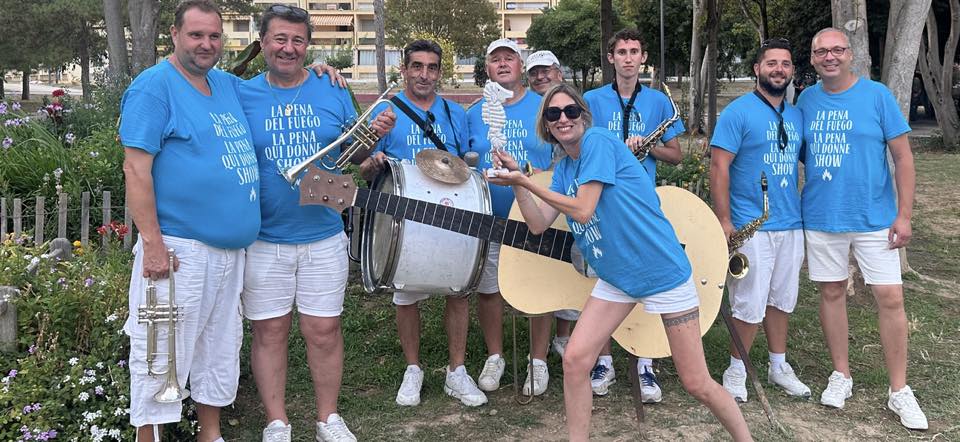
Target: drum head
{"type": "Point", "coordinates": [380, 233]}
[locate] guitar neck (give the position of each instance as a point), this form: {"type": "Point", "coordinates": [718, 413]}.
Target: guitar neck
{"type": "Point", "coordinates": [552, 243]}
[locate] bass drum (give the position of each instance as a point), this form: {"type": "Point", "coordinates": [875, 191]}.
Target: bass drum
{"type": "Point", "coordinates": [398, 254]}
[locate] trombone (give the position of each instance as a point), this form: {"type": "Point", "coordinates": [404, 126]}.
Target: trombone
{"type": "Point", "coordinates": [364, 137]}
{"type": "Point", "coordinates": [151, 314]}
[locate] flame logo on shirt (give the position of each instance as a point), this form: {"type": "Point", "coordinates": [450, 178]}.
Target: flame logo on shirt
{"type": "Point", "coordinates": [827, 176]}
{"type": "Point", "coordinates": [253, 194]}
{"type": "Point", "coordinates": [597, 253]}
{"type": "Point", "coordinates": [784, 183]}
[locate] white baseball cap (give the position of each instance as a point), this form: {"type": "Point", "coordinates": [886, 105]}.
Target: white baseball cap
{"type": "Point", "coordinates": [541, 58]}
{"type": "Point", "coordinates": [503, 43]}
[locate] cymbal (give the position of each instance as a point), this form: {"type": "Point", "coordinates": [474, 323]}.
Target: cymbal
{"type": "Point", "coordinates": [442, 166]}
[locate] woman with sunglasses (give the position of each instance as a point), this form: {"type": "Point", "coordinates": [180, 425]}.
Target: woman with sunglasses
{"type": "Point", "coordinates": [614, 214]}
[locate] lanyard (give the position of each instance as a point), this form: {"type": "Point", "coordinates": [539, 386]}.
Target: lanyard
{"type": "Point", "coordinates": [781, 131]}
{"type": "Point", "coordinates": [779, 112]}
{"type": "Point", "coordinates": [626, 108]}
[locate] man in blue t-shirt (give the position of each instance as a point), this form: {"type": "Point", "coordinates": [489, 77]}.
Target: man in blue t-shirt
{"type": "Point", "coordinates": [300, 256]}
{"type": "Point", "coordinates": [850, 124]}
{"type": "Point", "coordinates": [193, 189]}
{"type": "Point", "coordinates": [760, 133]}
{"type": "Point", "coordinates": [631, 112]}
{"type": "Point", "coordinates": [504, 65]}
{"type": "Point", "coordinates": [421, 71]}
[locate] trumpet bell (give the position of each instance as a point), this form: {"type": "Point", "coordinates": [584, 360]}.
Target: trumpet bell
{"type": "Point", "coordinates": [738, 266]}
{"type": "Point", "coordinates": [171, 392]}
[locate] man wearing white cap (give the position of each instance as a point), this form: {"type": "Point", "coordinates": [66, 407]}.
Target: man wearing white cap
{"type": "Point", "coordinates": [505, 67]}
{"type": "Point", "coordinates": [543, 71]}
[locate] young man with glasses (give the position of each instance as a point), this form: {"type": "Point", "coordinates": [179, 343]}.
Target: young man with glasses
{"type": "Point", "coordinates": [631, 111]}
{"type": "Point", "coordinates": [300, 256]}
{"type": "Point", "coordinates": [421, 71]}
{"type": "Point", "coordinates": [848, 201]}
{"type": "Point", "coordinates": [761, 133]}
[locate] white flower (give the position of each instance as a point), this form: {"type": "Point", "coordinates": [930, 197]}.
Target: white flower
{"type": "Point", "coordinates": [67, 378]}
{"type": "Point", "coordinates": [58, 171]}
{"type": "Point", "coordinates": [90, 372]}
{"type": "Point", "coordinates": [115, 433]}
{"type": "Point", "coordinates": [111, 318]}
{"type": "Point", "coordinates": [84, 396]}
{"type": "Point", "coordinates": [100, 365]}
{"type": "Point", "coordinates": [73, 361]}
{"type": "Point", "coordinates": [119, 412]}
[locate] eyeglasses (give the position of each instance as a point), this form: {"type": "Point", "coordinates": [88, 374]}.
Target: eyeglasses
{"type": "Point", "coordinates": [572, 111]}
{"type": "Point", "coordinates": [836, 51]}
{"type": "Point", "coordinates": [293, 11]}
{"type": "Point", "coordinates": [538, 71]}
{"type": "Point", "coordinates": [775, 41]}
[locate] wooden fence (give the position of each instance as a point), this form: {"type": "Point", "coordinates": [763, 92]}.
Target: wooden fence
{"type": "Point", "coordinates": [16, 212]}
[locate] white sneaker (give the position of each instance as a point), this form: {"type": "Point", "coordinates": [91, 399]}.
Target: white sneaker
{"type": "Point", "coordinates": [409, 393]}
{"type": "Point", "coordinates": [460, 385]}
{"type": "Point", "coordinates": [277, 431]}
{"type": "Point", "coordinates": [839, 389]}
{"type": "Point", "coordinates": [560, 344]}
{"type": "Point", "coordinates": [905, 405]}
{"type": "Point", "coordinates": [601, 378]}
{"type": "Point", "coordinates": [785, 378]}
{"type": "Point", "coordinates": [650, 392]}
{"type": "Point", "coordinates": [735, 382]}
{"type": "Point", "coordinates": [540, 378]}
{"type": "Point", "coordinates": [335, 430]}
{"type": "Point", "coordinates": [489, 379]}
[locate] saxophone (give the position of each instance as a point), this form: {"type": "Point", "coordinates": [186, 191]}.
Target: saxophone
{"type": "Point", "coordinates": [651, 140]}
{"type": "Point", "coordinates": [738, 265]}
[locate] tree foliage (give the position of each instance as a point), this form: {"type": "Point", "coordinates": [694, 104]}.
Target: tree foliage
{"type": "Point", "coordinates": [678, 25]}
{"type": "Point", "coordinates": [469, 24]}
{"type": "Point", "coordinates": [571, 31]}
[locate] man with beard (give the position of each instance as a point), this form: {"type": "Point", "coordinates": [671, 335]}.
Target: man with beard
{"type": "Point", "coordinates": [192, 187]}
{"type": "Point", "coordinates": [760, 133]}
{"type": "Point", "coordinates": [848, 202]}
{"type": "Point", "coordinates": [421, 71]}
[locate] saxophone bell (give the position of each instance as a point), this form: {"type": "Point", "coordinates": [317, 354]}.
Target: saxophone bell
{"type": "Point", "coordinates": [738, 265]}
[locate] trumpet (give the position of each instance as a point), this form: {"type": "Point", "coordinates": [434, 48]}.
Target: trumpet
{"type": "Point", "coordinates": [738, 265]}
{"type": "Point", "coordinates": [364, 137]}
{"type": "Point", "coordinates": [151, 314]}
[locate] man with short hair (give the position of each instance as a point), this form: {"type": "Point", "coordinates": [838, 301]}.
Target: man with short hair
{"type": "Point", "coordinates": [543, 71]}
{"type": "Point", "coordinates": [300, 256]}
{"type": "Point", "coordinates": [760, 133]}
{"type": "Point", "coordinates": [192, 186]}
{"type": "Point", "coordinates": [504, 65]}
{"type": "Point", "coordinates": [848, 201]}
{"type": "Point", "coordinates": [421, 70]}
{"type": "Point", "coordinates": [631, 112]}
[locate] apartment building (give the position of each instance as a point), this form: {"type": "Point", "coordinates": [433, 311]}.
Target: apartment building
{"type": "Point", "coordinates": [349, 23]}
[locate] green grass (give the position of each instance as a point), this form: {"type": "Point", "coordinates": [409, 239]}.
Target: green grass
{"type": "Point", "coordinates": [374, 365]}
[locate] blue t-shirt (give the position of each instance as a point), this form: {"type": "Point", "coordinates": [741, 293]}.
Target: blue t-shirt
{"type": "Point", "coordinates": [847, 185]}
{"type": "Point", "coordinates": [522, 143]}
{"type": "Point", "coordinates": [628, 241]}
{"type": "Point", "coordinates": [317, 118]}
{"type": "Point", "coordinates": [749, 129]}
{"type": "Point", "coordinates": [205, 177]}
{"type": "Point", "coordinates": [650, 108]}
{"type": "Point", "coordinates": [406, 139]}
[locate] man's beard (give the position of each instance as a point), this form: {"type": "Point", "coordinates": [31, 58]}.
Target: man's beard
{"type": "Point", "coordinates": [770, 88]}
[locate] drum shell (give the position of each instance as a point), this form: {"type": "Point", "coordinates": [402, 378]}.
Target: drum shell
{"type": "Point", "coordinates": [398, 254]}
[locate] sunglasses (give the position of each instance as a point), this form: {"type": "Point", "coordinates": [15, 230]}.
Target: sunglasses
{"type": "Point", "coordinates": [292, 11]}
{"type": "Point", "coordinates": [572, 111]}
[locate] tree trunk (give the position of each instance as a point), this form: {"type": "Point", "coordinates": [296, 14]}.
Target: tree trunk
{"type": "Point", "coordinates": [144, 16]}
{"type": "Point", "coordinates": [713, 30]}
{"type": "Point", "coordinates": [937, 73]}
{"type": "Point", "coordinates": [606, 33]}
{"type": "Point", "coordinates": [3, 96]}
{"type": "Point", "coordinates": [378, 17]}
{"type": "Point", "coordinates": [695, 94]}
{"type": "Point", "coordinates": [84, 53]}
{"type": "Point", "coordinates": [850, 16]}
{"type": "Point", "coordinates": [760, 23]}
{"type": "Point", "coordinates": [116, 40]}
{"type": "Point", "coordinates": [25, 83]}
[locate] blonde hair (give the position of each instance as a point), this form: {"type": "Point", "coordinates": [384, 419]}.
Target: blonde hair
{"type": "Point", "coordinates": [542, 130]}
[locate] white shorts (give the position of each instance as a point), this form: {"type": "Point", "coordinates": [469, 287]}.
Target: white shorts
{"type": "Point", "coordinates": [208, 334]}
{"type": "Point", "coordinates": [774, 277]}
{"type": "Point", "coordinates": [486, 285]}
{"type": "Point", "coordinates": [313, 275]}
{"type": "Point", "coordinates": [488, 279]}
{"type": "Point", "coordinates": [828, 256]}
{"type": "Point", "coordinates": [678, 299]}
{"type": "Point", "coordinates": [567, 315]}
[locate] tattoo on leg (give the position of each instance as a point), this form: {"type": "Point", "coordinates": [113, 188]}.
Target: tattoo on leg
{"type": "Point", "coordinates": [682, 319]}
